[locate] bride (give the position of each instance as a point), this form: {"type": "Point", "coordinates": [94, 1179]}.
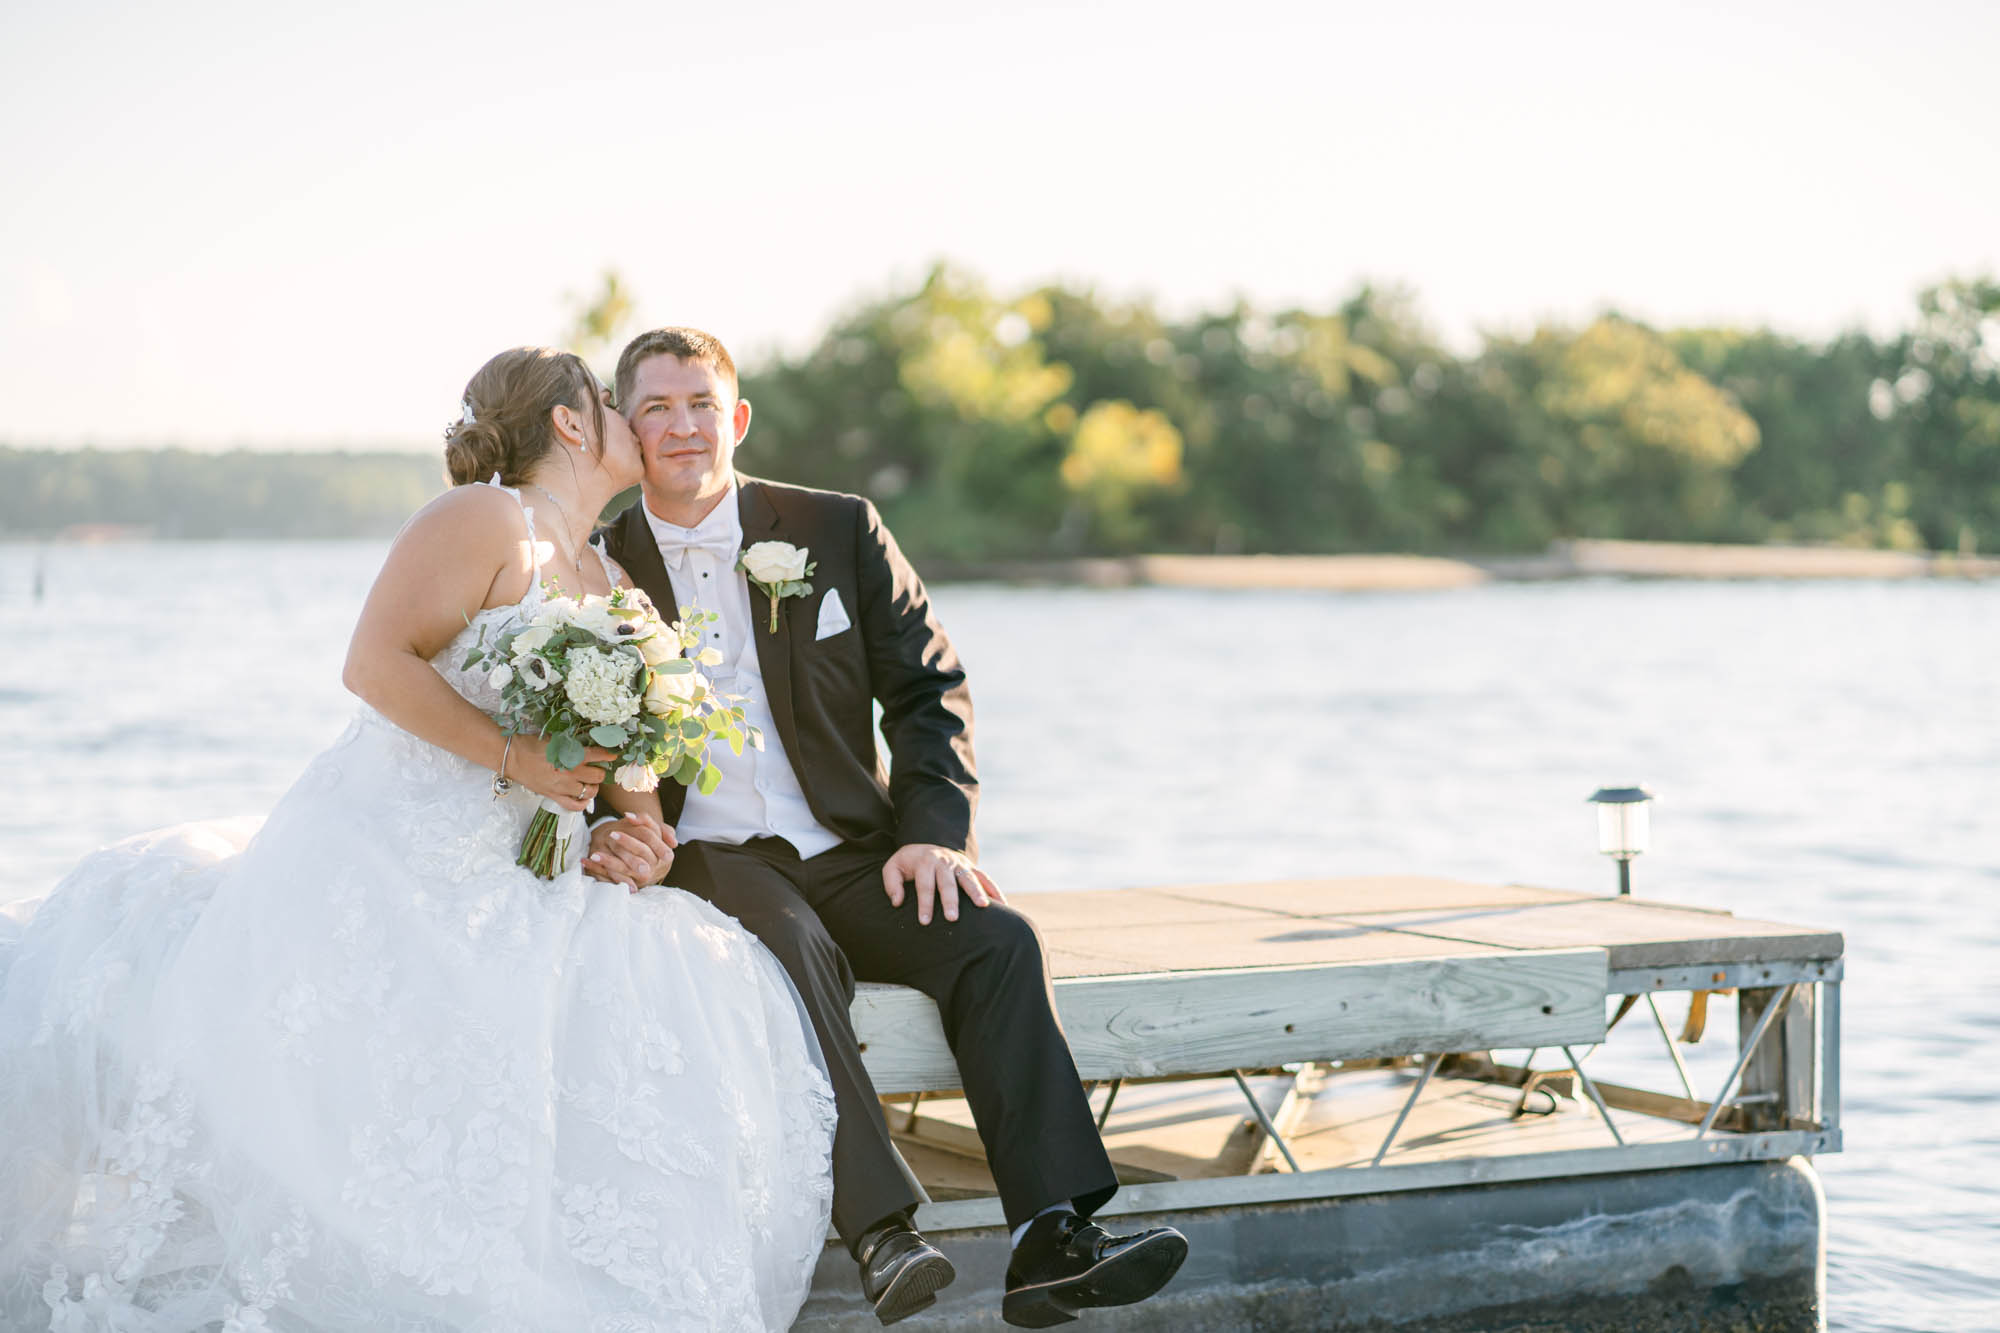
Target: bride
{"type": "Point", "coordinates": [359, 1071]}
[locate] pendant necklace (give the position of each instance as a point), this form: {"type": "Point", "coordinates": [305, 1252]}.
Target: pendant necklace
{"type": "Point", "coordinates": [576, 561]}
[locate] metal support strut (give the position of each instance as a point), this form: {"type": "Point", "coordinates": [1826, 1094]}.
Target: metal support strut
{"type": "Point", "coordinates": [1680, 1065]}
{"type": "Point", "coordinates": [1430, 1067]}
{"type": "Point", "coordinates": [1109, 1098]}
{"type": "Point", "coordinates": [1743, 1059]}
{"type": "Point", "coordinates": [1595, 1096]}
{"type": "Point", "coordinates": [1257, 1109]}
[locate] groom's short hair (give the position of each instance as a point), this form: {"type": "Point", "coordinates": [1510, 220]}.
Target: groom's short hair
{"type": "Point", "coordinates": [685, 343]}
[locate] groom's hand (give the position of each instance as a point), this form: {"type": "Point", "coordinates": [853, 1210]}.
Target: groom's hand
{"type": "Point", "coordinates": [635, 850]}
{"type": "Point", "coordinates": [938, 874]}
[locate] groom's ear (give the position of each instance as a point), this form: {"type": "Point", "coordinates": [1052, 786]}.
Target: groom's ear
{"type": "Point", "coordinates": [741, 420]}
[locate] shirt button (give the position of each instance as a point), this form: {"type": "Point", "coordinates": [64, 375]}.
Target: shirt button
{"type": "Point", "coordinates": [704, 573]}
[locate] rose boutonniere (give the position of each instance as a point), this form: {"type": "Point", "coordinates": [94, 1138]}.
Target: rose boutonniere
{"type": "Point", "coordinates": [780, 569]}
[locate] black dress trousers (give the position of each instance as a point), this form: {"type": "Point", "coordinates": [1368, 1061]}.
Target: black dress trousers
{"type": "Point", "coordinates": [830, 924]}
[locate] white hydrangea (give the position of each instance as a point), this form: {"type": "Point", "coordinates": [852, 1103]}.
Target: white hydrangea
{"type": "Point", "coordinates": [600, 684]}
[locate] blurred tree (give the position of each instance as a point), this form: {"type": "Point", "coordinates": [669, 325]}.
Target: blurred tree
{"type": "Point", "coordinates": [1118, 452]}
{"type": "Point", "coordinates": [599, 322]}
{"type": "Point", "coordinates": [938, 405]}
{"type": "Point", "coordinates": [1823, 449]}
{"type": "Point", "coordinates": [1944, 391]}
{"type": "Point", "coordinates": [1612, 436]}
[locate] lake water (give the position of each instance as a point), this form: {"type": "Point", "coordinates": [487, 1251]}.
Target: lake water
{"type": "Point", "coordinates": [1824, 753]}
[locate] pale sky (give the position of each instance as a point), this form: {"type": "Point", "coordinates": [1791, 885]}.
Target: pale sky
{"type": "Point", "coordinates": [287, 225]}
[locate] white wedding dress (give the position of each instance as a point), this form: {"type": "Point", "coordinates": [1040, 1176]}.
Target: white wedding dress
{"type": "Point", "coordinates": [360, 1072]}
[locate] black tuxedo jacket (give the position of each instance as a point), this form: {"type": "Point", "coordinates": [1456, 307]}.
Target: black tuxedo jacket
{"type": "Point", "coordinates": [895, 653]}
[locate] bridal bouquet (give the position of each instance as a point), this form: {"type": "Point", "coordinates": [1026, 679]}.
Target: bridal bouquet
{"type": "Point", "coordinates": [607, 671]}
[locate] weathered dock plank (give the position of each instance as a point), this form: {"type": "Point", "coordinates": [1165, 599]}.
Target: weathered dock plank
{"type": "Point", "coordinates": [1094, 909]}
{"type": "Point", "coordinates": [1201, 1021]}
{"type": "Point", "coordinates": [1348, 895]}
{"type": "Point", "coordinates": [1636, 934]}
{"type": "Point", "coordinates": [1268, 941]}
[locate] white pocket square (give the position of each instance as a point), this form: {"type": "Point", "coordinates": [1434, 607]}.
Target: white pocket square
{"type": "Point", "coordinates": [832, 616]}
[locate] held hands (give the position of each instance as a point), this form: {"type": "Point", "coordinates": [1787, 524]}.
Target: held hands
{"type": "Point", "coordinates": [938, 874]}
{"type": "Point", "coordinates": [635, 850]}
{"type": "Point", "coordinates": [571, 788]}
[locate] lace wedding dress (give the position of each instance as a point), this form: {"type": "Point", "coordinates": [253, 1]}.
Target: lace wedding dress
{"type": "Point", "coordinates": [360, 1072]}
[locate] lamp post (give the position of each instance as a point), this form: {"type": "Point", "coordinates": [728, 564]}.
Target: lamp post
{"type": "Point", "coordinates": [1623, 827]}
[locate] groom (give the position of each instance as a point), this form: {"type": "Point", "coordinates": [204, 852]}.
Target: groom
{"type": "Point", "coordinates": [848, 871]}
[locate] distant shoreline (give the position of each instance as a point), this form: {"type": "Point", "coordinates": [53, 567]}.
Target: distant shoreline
{"type": "Point", "coordinates": [1575, 559]}
{"type": "Point", "coordinates": [1563, 560]}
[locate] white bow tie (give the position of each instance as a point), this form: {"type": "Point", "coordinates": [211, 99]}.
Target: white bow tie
{"type": "Point", "coordinates": [674, 551]}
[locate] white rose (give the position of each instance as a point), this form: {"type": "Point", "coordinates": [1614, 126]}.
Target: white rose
{"type": "Point", "coordinates": [669, 691]}
{"type": "Point", "coordinates": [636, 777]}
{"type": "Point", "coordinates": [531, 639]}
{"type": "Point", "coordinates": [659, 647]}
{"type": "Point", "coordinates": [775, 562]}
{"type": "Point", "coordinates": [501, 675]}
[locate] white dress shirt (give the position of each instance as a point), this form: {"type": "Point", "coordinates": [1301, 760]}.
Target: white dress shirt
{"type": "Point", "coordinates": [759, 795]}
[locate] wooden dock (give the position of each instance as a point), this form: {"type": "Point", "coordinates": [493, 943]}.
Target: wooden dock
{"type": "Point", "coordinates": [1312, 1039]}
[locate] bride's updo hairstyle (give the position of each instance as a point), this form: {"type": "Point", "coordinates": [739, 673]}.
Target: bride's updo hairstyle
{"type": "Point", "coordinates": [504, 425]}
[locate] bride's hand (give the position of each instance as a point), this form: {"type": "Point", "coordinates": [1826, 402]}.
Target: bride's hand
{"type": "Point", "coordinates": [571, 788]}
{"type": "Point", "coordinates": [635, 850]}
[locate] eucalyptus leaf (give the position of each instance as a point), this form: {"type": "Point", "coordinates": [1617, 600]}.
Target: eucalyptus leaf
{"type": "Point", "coordinates": [566, 751]}
{"type": "Point", "coordinates": [611, 738]}
{"type": "Point", "coordinates": [711, 778]}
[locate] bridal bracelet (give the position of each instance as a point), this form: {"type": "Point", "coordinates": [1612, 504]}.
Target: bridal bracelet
{"type": "Point", "coordinates": [501, 786]}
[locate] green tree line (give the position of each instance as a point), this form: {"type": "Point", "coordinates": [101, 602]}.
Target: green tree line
{"type": "Point", "coordinates": [1057, 422]}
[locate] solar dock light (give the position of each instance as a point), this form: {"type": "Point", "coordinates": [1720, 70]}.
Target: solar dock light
{"type": "Point", "coordinates": [1623, 827]}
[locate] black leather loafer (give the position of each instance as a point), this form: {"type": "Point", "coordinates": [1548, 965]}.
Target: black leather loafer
{"type": "Point", "coordinates": [901, 1272]}
{"type": "Point", "coordinates": [1065, 1264]}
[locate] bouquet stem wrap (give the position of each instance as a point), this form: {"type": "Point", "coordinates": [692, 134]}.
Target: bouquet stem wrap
{"type": "Point", "coordinates": [545, 846]}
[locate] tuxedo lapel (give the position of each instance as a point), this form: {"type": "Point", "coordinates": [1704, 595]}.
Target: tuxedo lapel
{"type": "Point", "coordinates": [774, 650]}
{"type": "Point", "coordinates": [640, 554]}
